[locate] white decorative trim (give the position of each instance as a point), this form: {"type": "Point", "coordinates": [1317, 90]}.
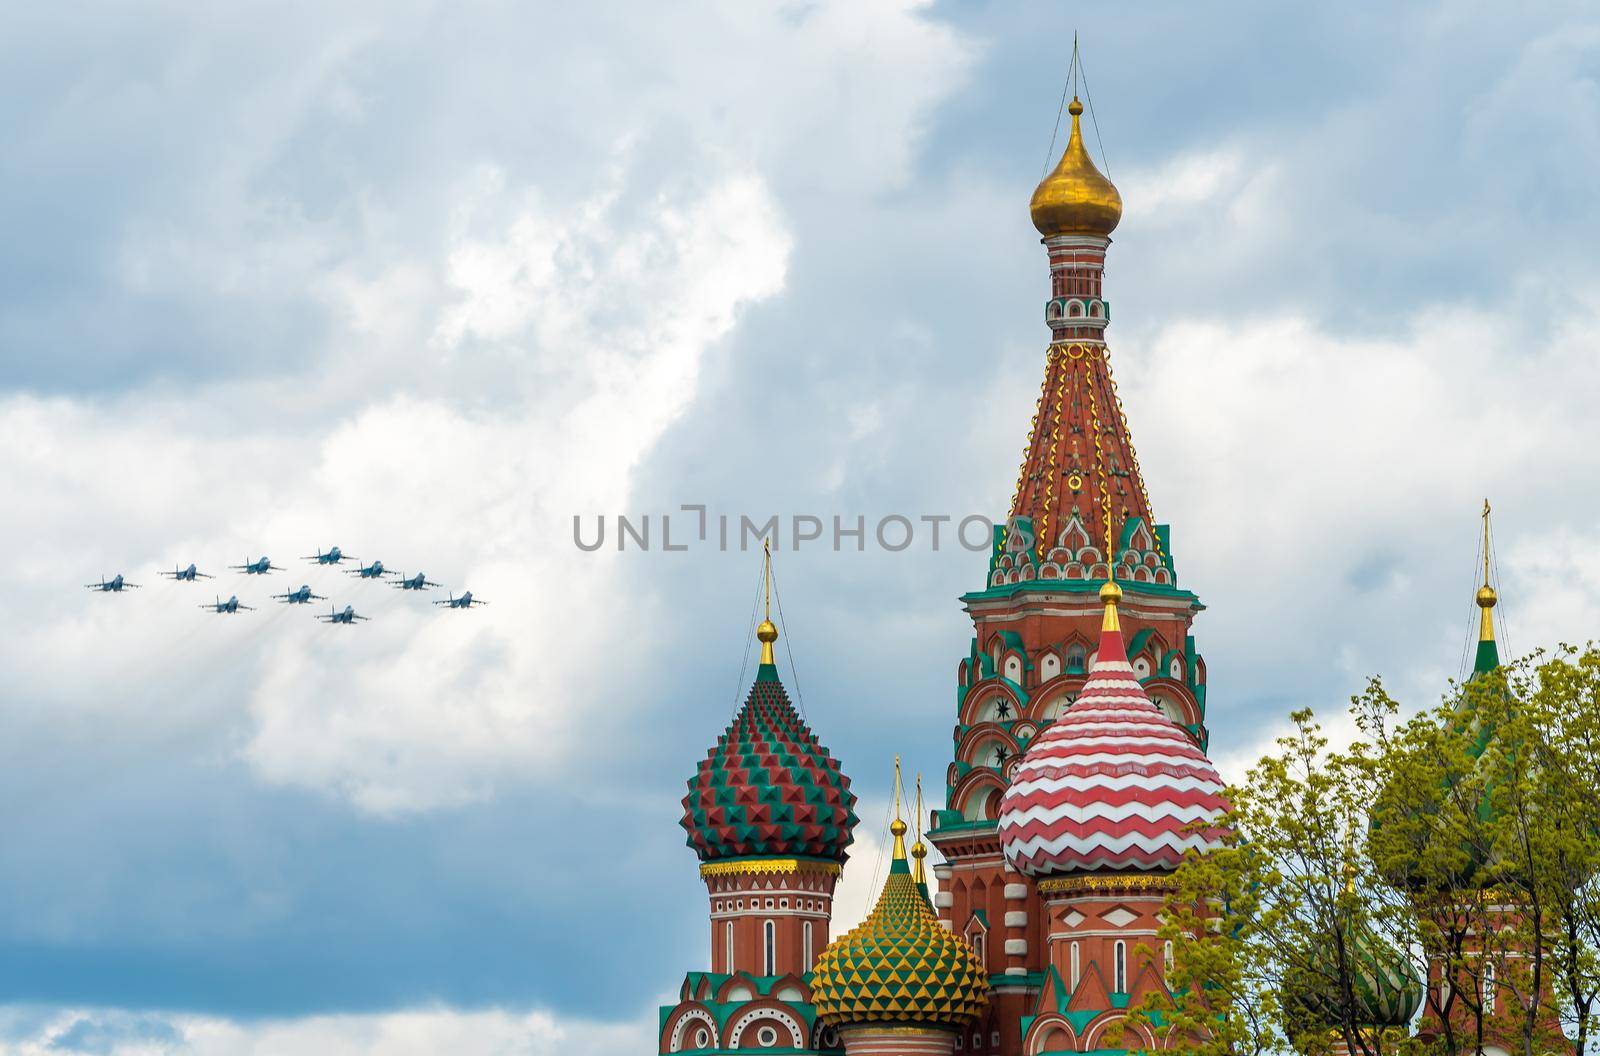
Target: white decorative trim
{"type": "Point", "coordinates": [1017, 947]}
{"type": "Point", "coordinates": [1016, 892]}
{"type": "Point", "coordinates": [1016, 918]}
{"type": "Point", "coordinates": [943, 899]}
{"type": "Point", "coordinates": [796, 1032]}
{"type": "Point", "coordinates": [694, 1015]}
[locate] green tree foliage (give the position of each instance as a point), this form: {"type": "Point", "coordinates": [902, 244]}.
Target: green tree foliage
{"type": "Point", "coordinates": [1460, 843]}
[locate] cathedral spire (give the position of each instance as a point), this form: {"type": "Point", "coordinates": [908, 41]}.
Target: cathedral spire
{"type": "Point", "coordinates": [1488, 656]}
{"type": "Point", "coordinates": [1080, 509]}
{"type": "Point", "coordinates": [767, 631]}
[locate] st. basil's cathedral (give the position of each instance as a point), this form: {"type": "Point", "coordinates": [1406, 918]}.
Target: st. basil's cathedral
{"type": "Point", "coordinates": [1079, 777]}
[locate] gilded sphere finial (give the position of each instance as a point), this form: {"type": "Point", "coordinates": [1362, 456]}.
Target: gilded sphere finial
{"type": "Point", "coordinates": [767, 632]}
{"type": "Point", "coordinates": [1076, 199]}
{"type": "Point", "coordinates": [918, 851]}
{"type": "Point", "coordinates": [897, 827]}
{"type": "Point", "coordinates": [1487, 597]}
{"type": "Point", "coordinates": [1110, 594]}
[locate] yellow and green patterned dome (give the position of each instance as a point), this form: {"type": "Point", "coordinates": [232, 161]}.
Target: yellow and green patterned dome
{"type": "Point", "coordinates": [900, 966]}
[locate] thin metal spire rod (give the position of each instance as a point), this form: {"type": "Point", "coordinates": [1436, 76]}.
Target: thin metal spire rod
{"type": "Point", "coordinates": [1071, 82]}
{"type": "Point", "coordinates": [788, 643]}
{"type": "Point", "coordinates": [1088, 97]}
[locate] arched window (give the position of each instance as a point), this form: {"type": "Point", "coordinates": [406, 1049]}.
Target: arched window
{"type": "Point", "coordinates": [770, 934]}
{"type": "Point", "coordinates": [810, 955]}
{"type": "Point", "coordinates": [1075, 655]}
{"type": "Point", "coordinates": [727, 947]}
{"type": "Point", "coordinates": [1489, 987]}
{"type": "Point", "coordinates": [1166, 961]}
{"type": "Point", "coordinates": [1119, 967]}
{"type": "Point", "coordinates": [1074, 966]}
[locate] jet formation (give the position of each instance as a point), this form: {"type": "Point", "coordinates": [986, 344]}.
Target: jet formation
{"type": "Point", "coordinates": [332, 557]}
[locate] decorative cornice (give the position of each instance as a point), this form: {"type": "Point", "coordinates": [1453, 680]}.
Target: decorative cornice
{"type": "Point", "coordinates": [761, 866]}
{"type": "Point", "coordinates": [1058, 885]}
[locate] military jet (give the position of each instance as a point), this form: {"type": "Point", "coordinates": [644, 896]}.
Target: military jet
{"type": "Point", "coordinates": [349, 616]}
{"type": "Point", "coordinates": [256, 568]}
{"type": "Point", "coordinates": [372, 571]}
{"type": "Point", "coordinates": [115, 585]}
{"type": "Point", "coordinates": [465, 601]}
{"type": "Point", "coordinates": [229, 607]}
{"type": "Point", "coordinates": [186, 575]}
{"type": "Point", "coordinates": [299, 597]}
{"type": "Point", "coordinates": [332, 557]}
{"type": "Point", "coordinates": [417, 582]}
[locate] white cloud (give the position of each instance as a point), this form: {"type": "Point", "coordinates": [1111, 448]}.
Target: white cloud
{"type": "Point", "coordinates": [507, 338]}
{"type": "Point", "coordinates": [422, 707]}
{"type": "Point", "coordinates": [422, 1032]}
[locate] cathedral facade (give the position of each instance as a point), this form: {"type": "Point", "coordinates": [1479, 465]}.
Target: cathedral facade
{"type": "Point", "coordinates": [1077, 782]}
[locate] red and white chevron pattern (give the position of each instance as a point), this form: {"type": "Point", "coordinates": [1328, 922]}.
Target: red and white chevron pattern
{"type": "Point", "coordinates": [1112, 784]}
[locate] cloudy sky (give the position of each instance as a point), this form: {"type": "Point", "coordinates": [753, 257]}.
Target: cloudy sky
{"type": "Point", "coordinates": [426, 280]}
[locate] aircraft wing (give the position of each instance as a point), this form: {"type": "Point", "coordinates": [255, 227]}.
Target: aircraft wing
{"type": "Point", "coordinates": [358, 616]}
{"type": "Point", "coordinates": [204, 575]}
{"type": "Point", "coordinates": [242, 605]}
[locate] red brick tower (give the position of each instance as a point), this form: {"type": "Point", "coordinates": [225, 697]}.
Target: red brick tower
{"type": "Point", "coordinates": [1080, 516]}
{"type": "Point", "coordinates": [770, 815]}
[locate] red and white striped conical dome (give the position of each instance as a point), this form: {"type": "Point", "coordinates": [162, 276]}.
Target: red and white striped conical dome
{"type": "Point", "coordinates": [1112, 784]}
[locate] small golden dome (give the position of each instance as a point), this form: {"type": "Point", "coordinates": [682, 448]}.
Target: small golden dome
{"type": "Point", "coordinates": [766, 632]}
{"type": "Point", "coordinates": [1487, 597]}
{"type": "Point", "coordinates": [918, 850]}
{"type": "Point", "coordinates": [1075, 199]}
{"type": "Point", "coordinates": [898, 827]}
{"type": "Point", "coordinates": [1110, 594]}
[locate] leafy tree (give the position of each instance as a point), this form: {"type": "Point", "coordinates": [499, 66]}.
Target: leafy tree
{"type": "Point", "coordinates": [1460, 845]}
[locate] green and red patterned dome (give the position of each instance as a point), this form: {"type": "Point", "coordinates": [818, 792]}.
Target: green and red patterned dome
{"type": "Point", "coordinates": [767, 788]}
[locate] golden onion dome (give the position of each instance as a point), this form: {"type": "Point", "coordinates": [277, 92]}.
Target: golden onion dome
{"type": "Point", "coordinates": [1487, 597]}
{"type": "Point", "coordinates": [900, 966]}
{"type": "Point", "coordinates": [1075, 199]}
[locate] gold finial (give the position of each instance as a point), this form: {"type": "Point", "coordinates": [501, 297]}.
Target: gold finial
{"type": "Point", "coordinates": [767, 631]}
{"type": "Point", "coordinates": [1110, 594]}
{"type": "Point", "coordinates": [1075, 199]}
{"type": "Point", "coordinates": [918, 850]}
{"type": "Point", "coordinates": [1486, 597]}
{"type": "Point", "coordinates": [897, 827]}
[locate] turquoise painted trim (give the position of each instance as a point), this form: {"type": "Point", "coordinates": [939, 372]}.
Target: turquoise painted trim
{"type": "Point", "coordinates": [1139, 641]}
{"type": "Point", "coordinates": [1079, 586]}
{"type": "Point", "coordinates": [963, 825]}
{"type": "Point", "coordinates": [768, 858]}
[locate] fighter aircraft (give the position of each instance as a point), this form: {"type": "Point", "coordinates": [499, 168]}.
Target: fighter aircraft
{"type": "Point", "coordinates": [114, 585]}
{"type": "Point", "coordinates": [465, 601]}
{"type": "Point", "coordinates": [187, 575]}
{"type": "Point", "coordinates": [372, 571]}
{"type": "Point", "coordinates": [332, 557]}
{"type": "Point", "coordinates": [256, 568]}
{"type": "Point", "coordinates": [229, 607]}
{"type": "Point", "coordinates": [417, 582]}
{"type": "Point", "coordinates": [299, 597]}
{"type": "Point", "coordinates": [349, 616]}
